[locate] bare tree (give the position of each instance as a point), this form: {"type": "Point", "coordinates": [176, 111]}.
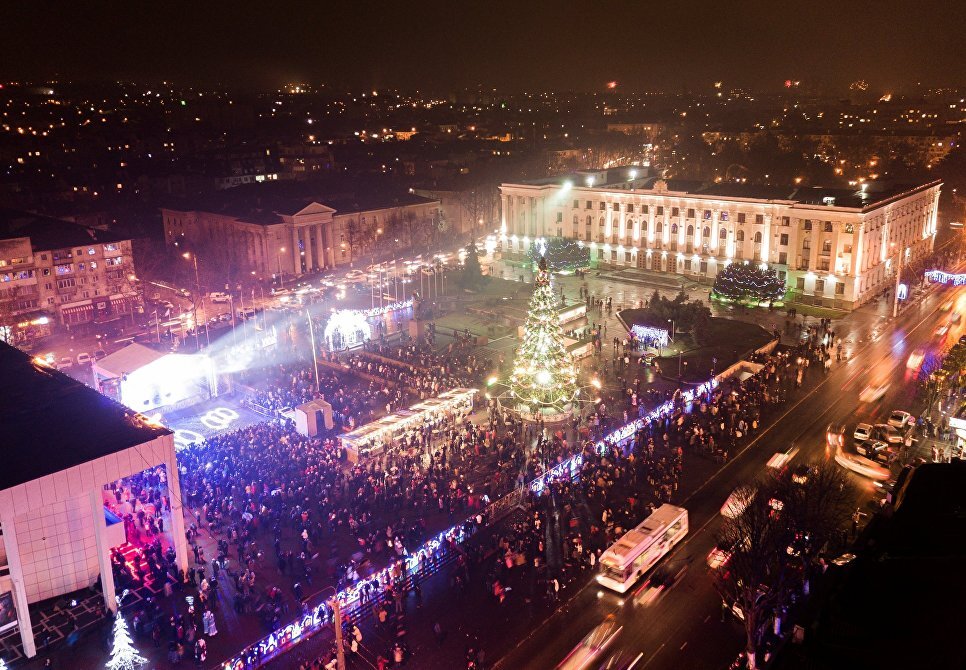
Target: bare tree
{"type": "Point", "coordinates": [478, 204]}
{"type": "Point", "coordinates": [358, 236]}
{"type": "Point", "coordinates": [756, 577]}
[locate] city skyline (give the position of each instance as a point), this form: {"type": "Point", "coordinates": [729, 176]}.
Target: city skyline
{"type": "Point", "coordinates": [432, 47]}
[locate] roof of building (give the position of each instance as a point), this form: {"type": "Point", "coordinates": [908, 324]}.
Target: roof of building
{"type": "Point", "coordinates": [875, 193]}
{"type": "Point", "coordinates": [127, 360]}
{"type": "Point", "coordinates": [48, 233]}
{"type": "Point", "coordinates": [49, 422]}
{"type": "Point", "coordinates": [267, 203]}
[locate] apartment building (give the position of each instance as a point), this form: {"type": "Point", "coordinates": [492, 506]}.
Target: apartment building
{"type": "Point", "coordinates": [833, 247]}
{"type": "Point", "coordinates": [54, 271]}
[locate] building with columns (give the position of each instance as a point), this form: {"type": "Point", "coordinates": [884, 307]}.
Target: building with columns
{"type": "Point", "coordinates": [289, 229]}
{"type": "Point", "coordinates": [66, 448]}
{"type": "Point", "coordinates": [833, 247]}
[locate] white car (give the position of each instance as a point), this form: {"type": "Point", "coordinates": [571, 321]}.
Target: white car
{"type": "Point", "coordinates": [219, 296]}
{"type": "Point", "coordinates": [83, 359]}
{"type": "Point", "coordinates": [737, 502]}
{"type": "Point", "coordinates": [863, 432]}
{"type": "Point", "coordinates": [873, 392]}
{"type": "Point", "coordinates": [916, 358]}
{"type": "Point", "coordinates": [65, 363]}
{"type": "Point", "coordinates": [900, 419]}
{"type": "Point", "coordinates": [887, 433]}
{"type": "Point", "coordinates": [355, 276]}
{"type": "Point", "coordinates": [592, 646]}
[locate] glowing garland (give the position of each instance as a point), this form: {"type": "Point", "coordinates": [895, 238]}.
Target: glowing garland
{"type": "Point", "coordinates": [288, 636]}
{"type": "Point", "coordinates": [651, 336]}
{"type": "Point", "coordinates": [544, 377]}
{"type": "Point", "coordinates": [940, 277]}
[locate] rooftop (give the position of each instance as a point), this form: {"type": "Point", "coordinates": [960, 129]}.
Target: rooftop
{"type": "Point", "coordinates": [47, 233]}
{"type": "Point", "coordinates": [267, 203]}
{"type": "Point", "coordinates": [875, 193]}
{"type": "Point", "coordinates": [50, 422]}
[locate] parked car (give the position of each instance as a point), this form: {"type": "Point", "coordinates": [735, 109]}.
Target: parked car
{"type": "Point", "coordinates": [863, 432]}
{"type": "Point", "coordinates": [184, 293]}
{"type": "Point", "coordinates": [83, 359]}
{"type": "Point", "coordinates": [99, 354]}
{"type": "Point", "coordinates": [900, 419]}
{"type": "Point", "coordinates": [887, 433]}
{"type": "Point", "coordinates": [219, 296]}
{"type": "Point", "coordinates": [874, 450]}
{"type": "Point", "coordinates": [65, 363]}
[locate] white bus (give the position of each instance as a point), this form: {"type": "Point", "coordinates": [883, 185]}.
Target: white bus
{"type": "Point", "coordinates": [640, 548]}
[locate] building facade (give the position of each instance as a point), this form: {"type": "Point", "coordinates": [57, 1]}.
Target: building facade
{"type": "Point", "coordinates": [832, 247]}
{"type": "Point", "coordinates": [292, 237]}
{"type": "Point", "coordinates": [53, 270]}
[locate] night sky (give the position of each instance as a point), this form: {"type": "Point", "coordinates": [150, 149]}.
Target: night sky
{"type": "Point", "coordinates": [525, 45]}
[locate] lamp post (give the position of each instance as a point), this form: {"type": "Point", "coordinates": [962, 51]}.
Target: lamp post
{"type": "Point", "coordinates": [895, 298]}
{"type": "Point", "coordinates": [278, 259]}
{"type": "Point", "coordinates": [194, 303]}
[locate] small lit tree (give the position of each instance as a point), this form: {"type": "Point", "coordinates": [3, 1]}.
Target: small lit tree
{"type": "Point", "coordinates": [124, 655]}
{"type": "Point", "coordinates": [740, 281]}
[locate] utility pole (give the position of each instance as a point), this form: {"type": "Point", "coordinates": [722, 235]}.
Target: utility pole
{"type": "Point", "coordinates": [895, 301]}
{"type": "Point", "coordinates": [315, 355]}
{"type": "Point", "coordinates": [337, 621]}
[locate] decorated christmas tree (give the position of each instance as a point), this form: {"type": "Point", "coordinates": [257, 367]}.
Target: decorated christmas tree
{"type": "Point", "coordinates": [544, 378]}
{"type": "Point", "coordinates": [740, 281]}
{"type": "Point", "coordinates": [124, 656]}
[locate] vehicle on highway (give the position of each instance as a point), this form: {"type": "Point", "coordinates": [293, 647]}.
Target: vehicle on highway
{"type": "Point", "coordinates": [916, 358]}
{"type": "Point", "coordinates": [737, 502]}
{"type": "Point", "coordinates": [955, 317]}
{"type": "Point", "coordinates": [83, 359]}
{"type": "Point", "coordinates": [863, 432]}
{"type": "Point", "coordinates": [782, 458]}
{"type": "Point", "coordinates": [639, 549]}
{"type": "Point", "coordinates": [835, 435]}
{"type": "Point", "coordinates": [946, 306]}
{"type": "Point", "coordinates": [660, 582]}
{"type": "Point", "coordinates": [593, 646]}
{"type": "Point", "coordinates": [900, 419]}
{"type": "Point", "coordinates": [862, 465]}
{"type": "Point", "coordinates": [941, 331]}
{"type": "Point", "coordinates": [219, 297]}
{"type": "Point", "coordinates": [873, 392]}
{"type": "Point", "coordinates": [887, 433]}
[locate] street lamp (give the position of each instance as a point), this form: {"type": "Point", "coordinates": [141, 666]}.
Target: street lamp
{"type": "Point", "coordinates": [194, 303]}
{"type": "Point", "coordinates": [278, 259]}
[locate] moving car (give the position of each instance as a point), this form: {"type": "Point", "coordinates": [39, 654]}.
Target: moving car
{"type": "Point", "coordinates": [863, 432]}
{"type": "Point", "coordinates": [99, 354]}
{"type": "Point", "coordinates": [916, 358]}
{"type": "Point", "coordinates": [83, 359]}
{"type": "Point", "coordinates": [900, 419]}
{"type": "Point", "coordinates": [355, 276]}
{"type": "Point", "coordinates": [942, 330]}
{"type": "Point", "coordinates": [835, 435]}
{"type": "Point", "coordinates": [737, 502]}
{"type": "Point", "coordinates": [660, 581]}
{"type": "Point", "coordinates": [593, 646]}
{"type": "Point", "coordinates": [219, 296]}
{"type": "Point", "coordinates": [873, 392]}
{"type": "Point", "coordinates": [862, 465]}
{"type": "Point", "coordinates": [955, 317]}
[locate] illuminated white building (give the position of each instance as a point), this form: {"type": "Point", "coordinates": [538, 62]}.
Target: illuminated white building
{"type": "Point", "coordinates": [834, 247]}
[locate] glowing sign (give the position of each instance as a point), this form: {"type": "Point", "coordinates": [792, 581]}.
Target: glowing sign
{"type": "Point", "coordinates": [940, 277]}
{"type": "Point", "coordinates": [902, 292]}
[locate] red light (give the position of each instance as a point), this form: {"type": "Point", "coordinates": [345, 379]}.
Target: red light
{"type": "Point", "coordinates": [788, 83]}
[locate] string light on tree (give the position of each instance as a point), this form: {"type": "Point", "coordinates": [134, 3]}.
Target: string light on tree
{"type": "Point", "coordinates": [124, 655]}
{"type": "Point", "coordinates": [741, 281]}
{"type": "Point", "coordinates": [543, 383]}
